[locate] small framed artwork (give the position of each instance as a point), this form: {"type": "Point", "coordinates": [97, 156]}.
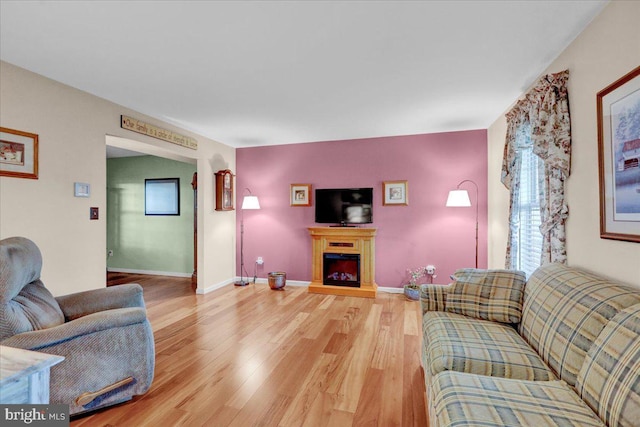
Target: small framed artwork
{"type": "Point", "coordinates": [300, 194]}
{"type": "Point", "coordinates": [18, 154]}
{"type": "Point", "coordinates": [619, 158]}
{"type": "Point", "coordinates": [162, 196]}
{"type": "Point", "coordinates": [80, 189]}
{"type": "Point", "coordinates": [395, 193]}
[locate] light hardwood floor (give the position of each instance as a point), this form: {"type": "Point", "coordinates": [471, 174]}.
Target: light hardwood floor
{"type": "Point", "coordinates": [251, 356]}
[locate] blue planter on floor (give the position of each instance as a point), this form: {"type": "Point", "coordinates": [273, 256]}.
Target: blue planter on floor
{"type": "Point", "coordinates": [412, 293]}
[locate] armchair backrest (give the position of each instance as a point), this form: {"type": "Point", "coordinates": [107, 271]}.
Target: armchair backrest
{"type": "Point", "coordinates": [25, 304]}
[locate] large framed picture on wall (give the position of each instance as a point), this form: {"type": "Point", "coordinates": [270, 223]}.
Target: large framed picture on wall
{"type": "Point", "coordinates": [619, 158]}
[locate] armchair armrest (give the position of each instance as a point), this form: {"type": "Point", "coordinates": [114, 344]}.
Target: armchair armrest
{"type": "Point", "coordinates": [434, 297]}
{"type": "Point", "coordinates": [96, 322]}
{"type": "Point", "coordinates": [83, 303]}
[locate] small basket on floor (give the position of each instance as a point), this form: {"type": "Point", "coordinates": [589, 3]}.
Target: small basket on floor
{"type": "Point", "coordinates": [277, 280]}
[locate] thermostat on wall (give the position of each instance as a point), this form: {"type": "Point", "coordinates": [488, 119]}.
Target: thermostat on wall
{"type": "Point", "coordinates": [81, 189]}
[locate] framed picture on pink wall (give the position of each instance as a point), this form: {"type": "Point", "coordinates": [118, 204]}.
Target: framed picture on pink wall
{"type": "Point", "coordinates": [619, 158]}
{"type": "Point", "coordinates": [18, 154]}
{"type": "Point", "coordinates": [395, 193]}
{"type": "Point", "coordinates": [300, 194]}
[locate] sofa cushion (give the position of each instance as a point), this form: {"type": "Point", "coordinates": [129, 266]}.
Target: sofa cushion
{"type": "Point", "coordinates": [487, 294]}
{"type": "Point", "coordinates": [609, 380]}
{"type": "Point", "coordinates": [564, 310]}
{"type": "Point", "coordinates": [459, 343]}
{"type": "Point", "coordinates": [475, 400]}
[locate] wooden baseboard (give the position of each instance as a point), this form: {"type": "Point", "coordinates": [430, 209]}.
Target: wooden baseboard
{"type": "Point", "coordinates": [365, 291]}
{"type": "Point", "coordinates": [149, 272]}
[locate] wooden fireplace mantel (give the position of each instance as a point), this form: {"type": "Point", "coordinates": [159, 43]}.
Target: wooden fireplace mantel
{"type": "Point", "coordinates": [344, 240]}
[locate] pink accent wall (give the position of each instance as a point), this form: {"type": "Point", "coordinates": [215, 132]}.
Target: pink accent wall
{"type": "Point", "coordinates": [424, 232]}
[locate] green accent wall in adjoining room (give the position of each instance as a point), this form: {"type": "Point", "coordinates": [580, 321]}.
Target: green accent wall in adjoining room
{"type": "Point", "coordinates": [160, 244]}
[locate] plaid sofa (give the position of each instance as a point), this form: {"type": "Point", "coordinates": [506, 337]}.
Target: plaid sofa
{"type": "Point", "coordinates": [561, 349]}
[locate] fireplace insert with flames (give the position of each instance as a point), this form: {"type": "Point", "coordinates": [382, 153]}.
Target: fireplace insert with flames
{"type": "Point", "coordinates": [341, 269]}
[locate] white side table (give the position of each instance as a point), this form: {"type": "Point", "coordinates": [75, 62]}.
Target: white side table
{"type": "Point", "coordinates": [24, 375]}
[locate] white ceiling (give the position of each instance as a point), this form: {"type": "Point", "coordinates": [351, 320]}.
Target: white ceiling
{"type": "Point", "coordinates": [250, 73]}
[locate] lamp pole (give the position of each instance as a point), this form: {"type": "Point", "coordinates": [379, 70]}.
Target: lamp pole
{"type": "Point", "coordinates": [477, 192]}
{"type": "Point", "coordinates": [249, 202]}
{"type": "Point", "coordinates": [241, 282]}
{"type": "Point", "coordinates": [467, 204]}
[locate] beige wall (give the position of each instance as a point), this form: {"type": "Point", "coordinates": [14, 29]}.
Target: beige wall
{"type": "Point", "coordinates": [607, 49]}
{"type": "Point", "coordinates": [73, 127]}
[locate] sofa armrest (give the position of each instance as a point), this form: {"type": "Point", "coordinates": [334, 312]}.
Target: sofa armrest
{"type": "Point", "coordinates": [92, 323]}
{"type": "Point", "coordinates": [434, 297]}
{"type": "Point", "coordinates": [83, 303]}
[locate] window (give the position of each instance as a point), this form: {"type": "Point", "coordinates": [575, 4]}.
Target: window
{"type": "Point", "coordinates": [527, 240]}
{"type": "Point", "coordinates": [545, 108]}
{"type": "Point", "coordinates": [162, 196]}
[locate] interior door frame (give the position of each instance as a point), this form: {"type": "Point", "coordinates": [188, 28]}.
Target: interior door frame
{"type": "Point", "coordinates": [152, 150]}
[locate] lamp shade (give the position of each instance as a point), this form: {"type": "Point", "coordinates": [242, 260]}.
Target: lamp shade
{"type": "Point", "coordinates": [458, 198]}
{"type": "Point", "coordinates": [250, 202]}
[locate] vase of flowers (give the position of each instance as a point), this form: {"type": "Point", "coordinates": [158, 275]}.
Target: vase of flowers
{"type": "Point", "coordinates": [412, 290]}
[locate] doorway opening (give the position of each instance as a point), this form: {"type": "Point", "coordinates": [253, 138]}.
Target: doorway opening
{"type": "Point", "coordinates": [138, 243]}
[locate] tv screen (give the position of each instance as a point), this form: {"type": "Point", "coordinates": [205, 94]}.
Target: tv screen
{"type": "Point", "coordinates": [344, 205]}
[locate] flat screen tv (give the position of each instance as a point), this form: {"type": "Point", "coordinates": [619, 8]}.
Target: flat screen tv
{"type": "Point", "coordinates": [344, 206]}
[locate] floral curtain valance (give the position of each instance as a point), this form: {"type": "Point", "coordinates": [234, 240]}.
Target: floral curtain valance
{"type": "Point", "coordinates": [549, 118]}
{"type": "Point", "coordinates": [545, 109]}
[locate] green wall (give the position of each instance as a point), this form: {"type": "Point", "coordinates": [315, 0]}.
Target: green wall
{"type": "Point", "coordinates": [148, 243]}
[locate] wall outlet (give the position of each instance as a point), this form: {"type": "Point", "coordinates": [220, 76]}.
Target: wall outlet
{"type": "Point", "coordinates": [259, 261]}
{"type": "Point", "coordinates": [431, 269]}
{"type": "Point", "coordinates": [110, 252]}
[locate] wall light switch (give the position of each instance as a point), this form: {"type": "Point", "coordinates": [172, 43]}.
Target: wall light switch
{"type": "Point", "coordinates": [93, 213]}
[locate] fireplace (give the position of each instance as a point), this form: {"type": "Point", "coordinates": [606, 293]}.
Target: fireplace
{"type": "Point", "coordinates": [343, 261]}
{"type": "Point", "coordinates": [341, 269]}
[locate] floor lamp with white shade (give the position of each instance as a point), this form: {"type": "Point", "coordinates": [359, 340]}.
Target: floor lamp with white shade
{"type": "Point", "coordinates": [460, 198]}
{"type": "Point", "coordinates": [249, 202]}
